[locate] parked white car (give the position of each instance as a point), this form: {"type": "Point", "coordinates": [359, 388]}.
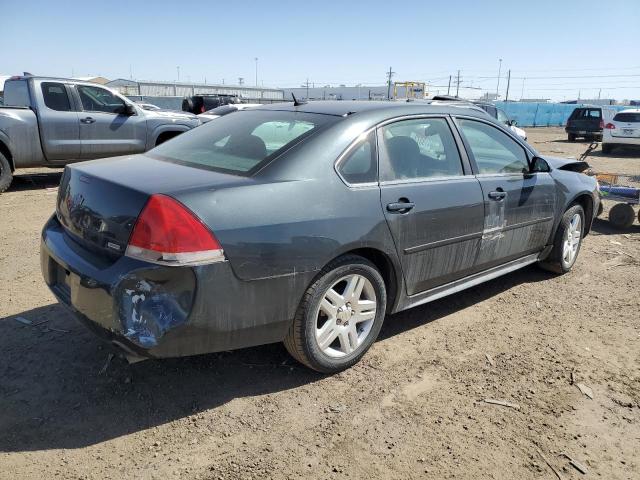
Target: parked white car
{"type": "Point", "coordinates": [622, 129]}
{"type": "Point", "coordinates": [224, 110]}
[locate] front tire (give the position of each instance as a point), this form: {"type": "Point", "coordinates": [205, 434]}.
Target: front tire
{"type": "Point", "coordinates": [6, 175]}
{"type": "Point", "coordinates": [567, 242]}
{"type": "Point", "coordinates": [571, 137]}
{"type": "Point", "coordinates": [339, 317]}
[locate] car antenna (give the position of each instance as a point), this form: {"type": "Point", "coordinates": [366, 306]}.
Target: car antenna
{"type": "Point", "coordinates": [296, 102]}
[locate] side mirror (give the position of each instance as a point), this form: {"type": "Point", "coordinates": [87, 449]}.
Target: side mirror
{"type": "Point", "coordinates": [513, 123]}
{"type": "Point", "coordinates": [539, 165]}
{"type": "Point", "coordinates": [129, 110]}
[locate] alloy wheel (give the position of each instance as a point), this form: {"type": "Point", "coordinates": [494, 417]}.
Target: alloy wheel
{"type": "Point", "coordinates": [572, 240]}
{"type": "Point", "coordinates": [345, 315]}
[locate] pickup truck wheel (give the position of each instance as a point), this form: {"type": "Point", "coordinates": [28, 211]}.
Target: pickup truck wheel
{"type": "Point", "coordinates": [571, 137]}
{"type": "Point", "coordinates": [339, 317]}
{"type": "Point", "coordinates": [567, 242]}
{"type": "Point", "coordinates": [6, 176]}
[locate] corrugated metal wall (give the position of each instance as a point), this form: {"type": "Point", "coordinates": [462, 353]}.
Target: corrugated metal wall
{"type": "Point", "coordinates": [161, 89]}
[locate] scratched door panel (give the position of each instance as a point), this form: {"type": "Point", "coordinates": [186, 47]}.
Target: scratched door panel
{"type": "Point", "coordinates": [521, 222]}
{"type": "Point", "coordinates": [438, 240]}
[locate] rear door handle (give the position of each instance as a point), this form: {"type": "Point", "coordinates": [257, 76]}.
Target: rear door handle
{"type": "Point", "coordinates": [400, 207]}
{"type": "Point", "coordinates": [497, 195]}
{"type": "Point", "coordinates": [87, 120]}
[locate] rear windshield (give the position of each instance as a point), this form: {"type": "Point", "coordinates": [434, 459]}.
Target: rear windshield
{"type": "Point", "coordinates": [241, 143]}
{"type": "Point", "coordinates": [627, 117]}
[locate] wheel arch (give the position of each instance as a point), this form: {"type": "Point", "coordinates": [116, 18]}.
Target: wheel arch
{"type": "Point", "coordinates": [4, 149]}
{"type": "Point", "coordinates": [585, 200]}
{"type": "Point", "coordinates": [387, 267]}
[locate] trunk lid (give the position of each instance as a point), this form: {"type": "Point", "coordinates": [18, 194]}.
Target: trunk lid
{"type": "Point", "coordinates": [99, 201]}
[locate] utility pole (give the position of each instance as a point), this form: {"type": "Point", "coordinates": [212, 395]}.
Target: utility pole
{"type": "Point", "coordinates": [307, 97]}
{"type": "Point", "coordinates": [506, 97]}
{"type": "Point", "coordinates": [389, 77]}
{"type": "Point", "coordinates": [240, 81]}
{"type": "Point", "coordinates": [178, 69]}
{"type": "Point", "coordinates": [599, 92]}
{"type": "Point", "coordinates": [458, 84]}
{"type": "Point", "coordinates": [449, 86]}
{"type": "Point", "coordinates": [522, 92]}
{"type": "Point", "coordinates": [256, 59]}
{"type": "Point", "coordinates": [499, 72]}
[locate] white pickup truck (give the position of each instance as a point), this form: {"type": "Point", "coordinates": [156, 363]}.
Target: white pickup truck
{"type": "Point", "coordinates": [49, 122]}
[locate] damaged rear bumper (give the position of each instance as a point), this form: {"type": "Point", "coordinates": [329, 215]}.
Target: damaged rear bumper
{"type": "Point", "coordinates": [153, 311]}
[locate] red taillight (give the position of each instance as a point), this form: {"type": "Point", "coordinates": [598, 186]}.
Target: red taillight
{"type": "Point", "coordinates": [610, 126]}
{"type": "Point", "coordinates": [168, 233]}
{"type": "Point", "coordinates": [601, 123]}
{"type": "Point", "coordinates": [202, 109]}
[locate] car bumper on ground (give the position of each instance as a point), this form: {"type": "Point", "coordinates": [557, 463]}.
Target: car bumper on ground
{"type": "Point", "coordinates": [152, 311]}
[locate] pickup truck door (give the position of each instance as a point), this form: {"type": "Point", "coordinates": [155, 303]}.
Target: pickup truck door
{"type": "Point", "coordinates": [58, 122]}
{"type": "Point", "coordinates": [105, 129]}
{"type": "Point", "coordinates": [519, 205]}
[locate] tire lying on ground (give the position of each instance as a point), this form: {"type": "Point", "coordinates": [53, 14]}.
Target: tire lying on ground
{"type": "Point", "coordinates": [340, 315]}
{"type": "Point", "coordinates": [6, 175]}
{"type": "Point", "coordinates": [622, 215]}
{"type": "Point", "coordinates": [567, 241]}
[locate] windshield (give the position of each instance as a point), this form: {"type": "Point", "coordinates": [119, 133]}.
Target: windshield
{"type": "Point", "coordinates": [241, 143]}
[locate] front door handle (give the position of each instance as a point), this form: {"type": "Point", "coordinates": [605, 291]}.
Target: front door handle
{"type": "Point", "coordinates": [497, 195]}
{"type": "Point", "coordinates": [87, 120]}
{"type": "Point", "coordinates": [402, 206]}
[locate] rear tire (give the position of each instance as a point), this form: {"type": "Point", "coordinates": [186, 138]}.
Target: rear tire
{"type": "Point", "coordinates": [6, 175]}
{"type": "Point", "coordinates": [571, 137]}
{"type": "Point", "coordinates": [339, 317]}
{"type": "Point", "coordinates": [607, 148]}
{"type": "Point", "coordinates": [622, 215]}
{"type": "Point", "coordinates": [567, 242]}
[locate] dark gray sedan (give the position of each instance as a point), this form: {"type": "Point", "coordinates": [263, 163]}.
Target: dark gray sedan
{"type": "Point", "coordinates": [305, 224]}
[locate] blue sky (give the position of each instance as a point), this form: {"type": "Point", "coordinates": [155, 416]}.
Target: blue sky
{"type": "Point", "coordinates": [558, 47]}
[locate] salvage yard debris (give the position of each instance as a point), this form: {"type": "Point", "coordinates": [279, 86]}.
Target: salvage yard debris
{"type": "Point", "coordinates": [501, 403]}
{"type": "Point", "coordinates": [574, 463]}
{"type": "Point", "coordinates": [585, 390]}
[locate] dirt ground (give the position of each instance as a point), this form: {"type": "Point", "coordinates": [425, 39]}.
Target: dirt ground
{"type": "Point", "coordinates": [413, 408]}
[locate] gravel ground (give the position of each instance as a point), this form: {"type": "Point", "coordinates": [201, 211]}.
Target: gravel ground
{"type": "Point", "coordinates": [413, 408]}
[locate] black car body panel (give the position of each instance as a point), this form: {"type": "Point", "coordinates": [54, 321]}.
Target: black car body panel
{"type": "Point", "coordinates": [282, 224]}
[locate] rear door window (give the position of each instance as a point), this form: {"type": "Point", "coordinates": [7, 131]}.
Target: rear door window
{"type": "Point", "coordinates": [418, 149]}
{"type": "Point", "coordinates": [55, 96]}
{"type": "Point", "coordinates": [243, 142]}
{"type": "Point", "coordinates": [593, 113]}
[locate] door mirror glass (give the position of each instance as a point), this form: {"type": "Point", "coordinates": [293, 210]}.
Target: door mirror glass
{"type": "Point", "coordinates": [539, 165]}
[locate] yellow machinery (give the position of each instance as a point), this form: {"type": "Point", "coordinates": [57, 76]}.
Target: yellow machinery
{"type": "Point", "coordinates": [411, 89]}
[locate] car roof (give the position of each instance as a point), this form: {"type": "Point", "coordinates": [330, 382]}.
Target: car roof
{"type": "Point", "coordinates": [344, 108]}
{"type": "Point", "coordinates": [629, 110]}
